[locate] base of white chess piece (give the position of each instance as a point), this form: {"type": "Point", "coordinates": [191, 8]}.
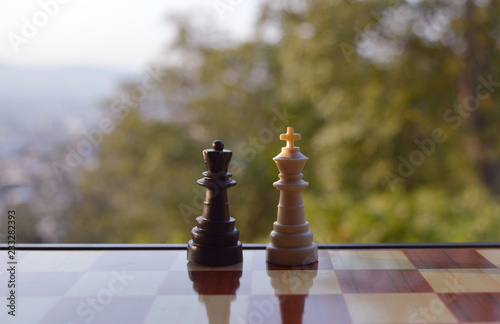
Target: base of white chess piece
{"type": "Point", "coordinates": [292, 256]}
{"type": "Point", "coordinates": [291, 239]}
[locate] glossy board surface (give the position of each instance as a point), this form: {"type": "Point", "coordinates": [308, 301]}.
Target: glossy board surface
{"type": "Point", "coordinates": [440, 285]}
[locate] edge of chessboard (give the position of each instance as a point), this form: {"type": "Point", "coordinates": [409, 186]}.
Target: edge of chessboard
{"type": "Point", "coordinates": [250, 246]}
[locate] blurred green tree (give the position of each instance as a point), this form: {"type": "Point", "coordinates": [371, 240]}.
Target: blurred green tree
{"type": "Point", "coordinates": [396, 101]}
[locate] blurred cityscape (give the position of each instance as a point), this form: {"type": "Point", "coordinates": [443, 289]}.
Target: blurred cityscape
{"type": "Point", "coordinates": [45, 111]}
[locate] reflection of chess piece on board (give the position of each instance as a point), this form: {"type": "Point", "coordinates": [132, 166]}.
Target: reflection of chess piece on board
{"type": "Point", "coordinates": [292, 289]}
{"type": "Point", "coordinates": [208, 286]}
{"type": "Point", "coordinates": [215, 239]}
{"type": "Point", "coordinates": [291, 239]}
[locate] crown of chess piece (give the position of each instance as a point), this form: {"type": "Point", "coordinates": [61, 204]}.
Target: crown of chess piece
{"type": "Point", "coordinates": [291, 239]}
{"type": "Point", "coordinates": [215, 240]}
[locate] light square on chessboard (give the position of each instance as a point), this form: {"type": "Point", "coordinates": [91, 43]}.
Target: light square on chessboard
{"type": "Point", "coordinates": [119, 283]}
{"type": "Point", "coordinates": [180, 263]}
{"type": "Point", "coordinates": [382, 281]}
{"type": "Point", "coordinates": [294, 282]}
{"type": "Point", "coordinates": [18, 256]}
{"type": "Point", "coordinates": [194, 309]}
{"type": "Point", "coordinates": [463, 280]}
{"type": "Point", "coordinates": [493, 255]}
{"type": "Point", "coordinates": [44, 283]}
{"type": "Point", "coordinates": [136, 260]}
{"type": "Point", "coordinates": [99, 310]}
{"type": "Point", "coordinates": [398, 308]}
{"type": "Point", "coordinates": [4, 258]}
{"type": "Point", "coordinates": [369, 259]}
{"type": "Point", "coordinates": [58, 261]}
{"type": "Point", "coordinates": [29, 310]}
{"type": "Point", "coordinates": [447, 259]}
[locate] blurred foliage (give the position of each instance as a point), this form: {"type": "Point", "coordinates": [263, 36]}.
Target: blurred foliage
{"type": "Point", "coordinates": [402, 147]}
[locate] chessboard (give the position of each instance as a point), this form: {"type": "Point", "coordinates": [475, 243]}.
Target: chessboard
{"type": "Point", "coordinates": [347, 285]}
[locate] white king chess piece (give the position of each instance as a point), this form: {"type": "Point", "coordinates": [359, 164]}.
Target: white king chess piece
{"type": "Point", "coordinates": [291, 239]}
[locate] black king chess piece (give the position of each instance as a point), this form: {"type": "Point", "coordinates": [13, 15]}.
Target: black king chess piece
{"type": "Point", "coordinates": [215, 239]}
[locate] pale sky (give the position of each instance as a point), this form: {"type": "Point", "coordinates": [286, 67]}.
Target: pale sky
{"type": "Point", "coordinates": [121, 34]}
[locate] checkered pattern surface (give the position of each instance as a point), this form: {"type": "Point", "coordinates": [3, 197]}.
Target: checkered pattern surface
{"type": "Point", "coordinates": [345, 286]}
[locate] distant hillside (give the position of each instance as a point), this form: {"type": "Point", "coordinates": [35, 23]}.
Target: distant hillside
{"type": "Point", "coordinates": [32, 93]}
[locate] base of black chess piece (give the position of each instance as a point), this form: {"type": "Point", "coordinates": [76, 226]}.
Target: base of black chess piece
{"type": "Point", "coordinates": [215, 239]}
{"type": "Point", "coordinates": [215, 244]}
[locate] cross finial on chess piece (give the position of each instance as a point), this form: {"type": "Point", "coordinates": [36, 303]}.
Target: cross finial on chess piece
{"type": "Point", "coordinates": [289, 137]}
